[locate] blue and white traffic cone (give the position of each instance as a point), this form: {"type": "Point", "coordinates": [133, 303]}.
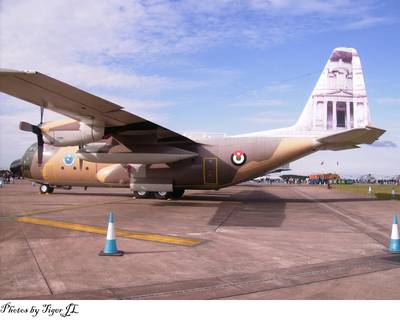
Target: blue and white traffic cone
{"type": "Point", "coordinates": [394, 246]}
{"type": "Point", "coordinates": [110, 249]}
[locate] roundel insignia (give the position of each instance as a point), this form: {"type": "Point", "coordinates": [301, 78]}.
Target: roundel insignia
{"type": "Point", "coordinates": [68, 159]}
{"type": "Point", "coordinates": [238, 157]}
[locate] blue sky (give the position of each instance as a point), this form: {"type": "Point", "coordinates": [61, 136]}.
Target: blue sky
{"type": "Point", "coordinates": [207, 66]}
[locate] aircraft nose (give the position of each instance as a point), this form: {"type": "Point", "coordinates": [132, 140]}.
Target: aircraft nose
{"type": "Point", "coordinates": [15, 167]}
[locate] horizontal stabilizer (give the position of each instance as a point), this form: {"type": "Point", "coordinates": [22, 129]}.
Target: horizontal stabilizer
{"type": "Point", "coordinates": [285, 167]}
{"type": "Point", "coordinates": [351, 138]}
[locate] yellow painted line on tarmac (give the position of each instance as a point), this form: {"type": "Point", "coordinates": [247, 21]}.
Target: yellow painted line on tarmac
{"type": "Point", "coordinates": [51, 210]}
{"type": "Point", "coordinates": [166, 239]}
{"type": "Point", "coordinates": [202, 201]}
{"type": "Point", "coordinates": [88, 205]}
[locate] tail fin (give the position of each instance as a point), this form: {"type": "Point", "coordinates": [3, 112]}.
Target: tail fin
{"type": "Point", "coordinates": [339, 100]}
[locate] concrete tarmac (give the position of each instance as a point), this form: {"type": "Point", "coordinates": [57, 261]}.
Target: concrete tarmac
{"type": "Point", "coordinates": [249, 241]}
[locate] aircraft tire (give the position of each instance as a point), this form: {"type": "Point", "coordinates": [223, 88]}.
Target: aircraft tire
{"type": "Point", "coordinates": [177, 193]}
{"type": "Point", "coordinates": [161, 194]}
{"type": "Point", "coordinates": [45, 188]}
{"type": "Point", "coordinates": [141, 194]}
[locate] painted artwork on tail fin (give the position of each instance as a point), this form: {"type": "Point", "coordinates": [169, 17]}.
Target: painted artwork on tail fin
{"type": "Point", "coordinates": [339, 99]}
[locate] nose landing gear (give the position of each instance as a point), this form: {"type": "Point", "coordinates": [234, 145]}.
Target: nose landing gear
{"type": "Point", "coordinates": [45, 188]}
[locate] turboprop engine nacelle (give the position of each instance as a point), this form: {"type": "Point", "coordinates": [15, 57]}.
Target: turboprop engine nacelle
{"type": "Point", "coordinates": [80, 133]}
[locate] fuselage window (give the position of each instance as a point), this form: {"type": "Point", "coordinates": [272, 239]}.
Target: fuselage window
{"type": "Point", "coordinates": [32, 147]}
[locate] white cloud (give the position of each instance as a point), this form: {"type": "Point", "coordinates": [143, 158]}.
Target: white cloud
{"type": "Point", "coordinates": [367, 22]}
{"type": "Point", "coordinates": [93, 76]}
{"type": "Point", "coordinates": [301, 7]}
{"type": "Point", "coordinates": [84, 42]}
{"type": "Point", "coordinates": [81, 42]}
{"type": "Point", "coordinates": [388, 100]}
{"type": "Point", "coordinates": [93, 32]}
{"type": "Point", "coordinates": [152, 110]}
{"type": "Point", "coordinates": [278, 87]}
{"type": "Point", "coordinates": [14, 142]}
{"type": "Point", "coordinates": [257, 103]}
{"type": "Point", "coordinates": [271, 119]}
{"type": "Point", "coordinates": [384, 144]}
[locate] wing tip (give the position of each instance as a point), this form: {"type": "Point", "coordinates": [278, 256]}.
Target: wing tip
{"type": "Point", "coordinates": [8, 71]}
{"type": "Point", "coordinates": [373, 128]}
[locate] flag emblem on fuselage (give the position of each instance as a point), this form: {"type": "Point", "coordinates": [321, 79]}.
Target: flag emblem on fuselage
{"type": "Point", "coordinates": [238, 157]}
{"type": "Point", "coordinates": [68, 159]}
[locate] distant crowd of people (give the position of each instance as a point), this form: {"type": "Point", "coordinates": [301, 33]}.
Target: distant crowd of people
{"type": "Point", "coordinates": [323, 181]}
{"type": "Point", "coordinates": [295, 180]}
{"type": "Point", "coordinates": [268, 180]}
{"type": "Point", "coordinates": [379, 181]}
{"type": "Point", "coordinates": [7, 177]}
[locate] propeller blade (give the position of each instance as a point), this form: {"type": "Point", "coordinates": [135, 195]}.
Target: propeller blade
{"type": "Point", "coordinates": [40, 153]}
{"type": "Point", "coordinates": [24, 126]}
{"type": "Point", "coordinates": [38, 131]}
{"type": "Point", "coordinates": [39, 138]}
{"type": "Point", "coordinates": [40, 142]}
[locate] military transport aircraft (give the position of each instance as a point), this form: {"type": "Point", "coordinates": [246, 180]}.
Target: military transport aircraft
{"type": "Point", "coordinates": [104, 145]}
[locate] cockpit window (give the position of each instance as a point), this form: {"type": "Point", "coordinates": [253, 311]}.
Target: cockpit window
{"type": "Point", "coordinates": [32, 147]}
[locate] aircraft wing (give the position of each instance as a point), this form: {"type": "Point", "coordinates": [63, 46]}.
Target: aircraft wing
{"type": "Point", "coordinates": [351, 138]}
{"type": "Point", "coordinates": [47, 92]}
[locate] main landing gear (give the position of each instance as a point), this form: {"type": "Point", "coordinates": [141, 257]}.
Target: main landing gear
{"type": "Point", "coordinates": [176, 194]}
{"type": "Point", "coordinates": [142, 194]}
{"type": "Point", "coordinates": [45, 188]}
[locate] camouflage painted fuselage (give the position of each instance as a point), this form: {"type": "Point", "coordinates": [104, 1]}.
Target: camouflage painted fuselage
{"type": "Point", "coordinates": [104, 145]}
{"type": "Point", "coordinates": [213, 168]}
